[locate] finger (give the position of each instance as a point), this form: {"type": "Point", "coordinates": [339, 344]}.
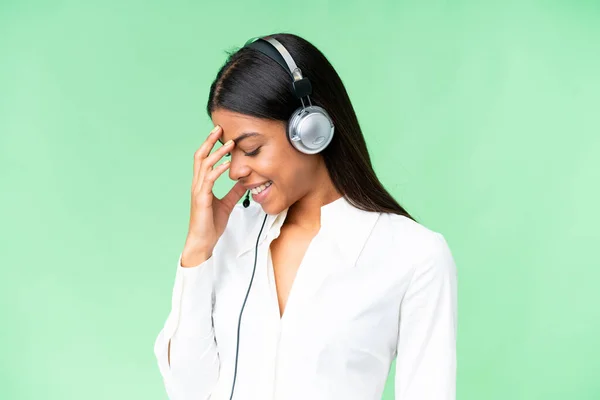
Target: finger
{"type": "Point", "coordinates": [208, 182]}
{"type": "Point", "coordinates": [204, 150]}
{"type": "Point", "coordinates": [210, 161]}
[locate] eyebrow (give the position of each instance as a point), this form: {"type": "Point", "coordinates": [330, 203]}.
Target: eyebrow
{"type": "Point", "coordinates": [243, 136]}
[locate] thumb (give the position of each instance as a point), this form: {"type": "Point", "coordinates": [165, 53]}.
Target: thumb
{"type": "Point", "coordinates": [234, 195]}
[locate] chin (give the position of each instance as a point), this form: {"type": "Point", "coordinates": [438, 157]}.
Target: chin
{"type": "Point", "coordinates": [272, 207]}
{"type": "Point", "coordinates": [269, 209]}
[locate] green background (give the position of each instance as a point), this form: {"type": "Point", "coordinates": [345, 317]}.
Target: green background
{"type": "Point", "coordinates": [482, 119]}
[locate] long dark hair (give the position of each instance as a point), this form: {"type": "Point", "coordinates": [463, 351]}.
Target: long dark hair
{"type": "Point", "coordinates": [253, 84]}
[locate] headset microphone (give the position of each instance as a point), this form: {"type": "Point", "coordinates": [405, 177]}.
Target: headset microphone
{"type": "Point", "coordinates": [310, 130]}
{"type": "Point", "coordinates": [246, 202]}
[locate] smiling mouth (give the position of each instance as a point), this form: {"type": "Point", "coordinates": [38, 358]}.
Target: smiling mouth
{"type": "Point", "coordinates": [261, 188]}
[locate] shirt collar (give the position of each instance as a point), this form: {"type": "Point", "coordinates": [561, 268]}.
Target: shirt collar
{"type": "Point", "coordinates": [345, 226]}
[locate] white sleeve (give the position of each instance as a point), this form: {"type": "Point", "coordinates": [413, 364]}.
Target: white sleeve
{"type": "Point", "coordinates": [426, 348]}
{"type": "Point", "coordinates": [194, 368]}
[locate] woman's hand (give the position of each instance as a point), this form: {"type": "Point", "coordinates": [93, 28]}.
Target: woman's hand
{"type": "Point", "coordinates": [209, 215]}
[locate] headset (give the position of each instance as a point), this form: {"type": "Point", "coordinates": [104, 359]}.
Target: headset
{"type": "Point", "coordinates": [309, 130]}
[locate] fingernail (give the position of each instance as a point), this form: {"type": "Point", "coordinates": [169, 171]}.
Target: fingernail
{"type": "Point", "coordinates": [216, 128]}
{"type": "Point", "coordinates": [228, 142]}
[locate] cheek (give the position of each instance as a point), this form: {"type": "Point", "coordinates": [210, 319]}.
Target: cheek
{"type": "Point", "coordinates": [297, 171]}
{"type": "Point", "coordinates": [285, 166]}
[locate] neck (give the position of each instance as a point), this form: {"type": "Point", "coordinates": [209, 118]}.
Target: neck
{"type": "Point", "coordinates": [306, 212]}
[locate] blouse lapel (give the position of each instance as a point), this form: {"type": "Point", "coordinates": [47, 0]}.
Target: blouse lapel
{"type": "Point", "coordinates": [344, 232]}
{"type": "Point", "coordinates": [345, 226]}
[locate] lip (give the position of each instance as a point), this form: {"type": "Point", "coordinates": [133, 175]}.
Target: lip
{"type": "Point", "coordinates": [259, 198]}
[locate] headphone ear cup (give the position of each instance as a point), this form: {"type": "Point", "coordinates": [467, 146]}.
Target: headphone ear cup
{"type": "Point", "coordinates": [310, 129]}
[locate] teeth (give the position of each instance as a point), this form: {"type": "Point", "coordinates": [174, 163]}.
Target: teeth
{"type": "Point", "coordinates": [260, 188]}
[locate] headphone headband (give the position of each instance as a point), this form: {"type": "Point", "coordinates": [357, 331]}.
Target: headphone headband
{"type": "Point", "coordinates": [273, 49]}
{"type": "Point", "coordinates": [290, 64]}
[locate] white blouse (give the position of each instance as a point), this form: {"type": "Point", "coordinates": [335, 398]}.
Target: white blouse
{"type": "Point", "coordinates": [371, 286]}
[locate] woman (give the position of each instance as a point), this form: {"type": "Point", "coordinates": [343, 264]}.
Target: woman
{"type": "Point", "coordinates": [315, 288]}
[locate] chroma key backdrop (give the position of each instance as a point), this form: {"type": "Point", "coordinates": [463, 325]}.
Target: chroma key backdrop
{"type": "Point", "coordinates": [482, 119]}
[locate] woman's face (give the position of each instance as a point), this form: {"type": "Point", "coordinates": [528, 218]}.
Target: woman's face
{"type": "Point", "coordinates": [266, 155]}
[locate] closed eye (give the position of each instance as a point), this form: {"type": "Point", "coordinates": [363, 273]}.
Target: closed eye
{"type": "Point", "coordinates": [251, 154]}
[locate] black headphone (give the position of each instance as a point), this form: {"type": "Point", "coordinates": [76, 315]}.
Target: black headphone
{"type": "Point", "coordinates": [310, 130]}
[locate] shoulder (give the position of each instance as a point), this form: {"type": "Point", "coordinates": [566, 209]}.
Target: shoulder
{"type": "Point", "coordinates": [411, 241]}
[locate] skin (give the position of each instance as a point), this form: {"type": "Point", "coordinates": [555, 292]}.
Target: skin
{"type": "Point", "coordinates": [300, 181]}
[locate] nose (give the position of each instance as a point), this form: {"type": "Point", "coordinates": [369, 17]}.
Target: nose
{"type": "Point", "coordinates": [238, 169]}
